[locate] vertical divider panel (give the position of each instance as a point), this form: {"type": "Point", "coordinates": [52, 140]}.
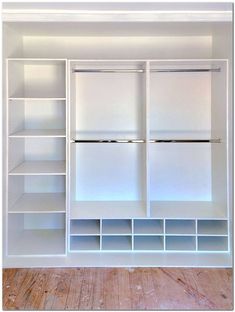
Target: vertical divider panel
{"type": "Point", "coordinates": [147, 125]}
{"type": "Point", "coordinates": [67, 158]}
{"type": "Point", "coordinates": [101, 233]}
{"type": "Point", "coordinates": [6, 157]}
{"type": "Point", "coordinates": [196, 225]}
{"type": "Point", "coordinates": [132, 234]}
{"type": "Point", "coordinates": [164, 234]}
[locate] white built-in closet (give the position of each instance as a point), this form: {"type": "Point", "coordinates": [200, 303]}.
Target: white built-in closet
{"type": "Point", "coordinates": [117, 136]}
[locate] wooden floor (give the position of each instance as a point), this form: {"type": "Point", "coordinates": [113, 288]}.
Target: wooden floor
{"type": "Point", "coordinates": [117, 289]}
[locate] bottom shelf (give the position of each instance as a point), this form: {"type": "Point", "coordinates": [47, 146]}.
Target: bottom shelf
{"type": "Point", "coordinates": [107, 209]}
{"type": "Point", "coordinates": [37, 242]}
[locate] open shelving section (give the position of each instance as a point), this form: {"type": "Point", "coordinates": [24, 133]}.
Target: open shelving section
{"type": "Point", "coordinates": [152, 174]}
{"type": "Point", "coordinates": [36, 140]}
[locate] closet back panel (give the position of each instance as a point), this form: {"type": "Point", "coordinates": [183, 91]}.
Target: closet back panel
{"type": "Point", "coordinates": [119, 47]}
{"type": "Point", "coordinates": [109, 105]}
{"type": "Point", "coordinates": [180, 105]}
{"type": "Point", "coordinates": [180, 172]}
{"type": "Point", "coordinates": [109, 172]}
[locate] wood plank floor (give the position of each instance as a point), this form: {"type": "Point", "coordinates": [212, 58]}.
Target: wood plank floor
{"type": "Point", "coordinates": [117, 289]}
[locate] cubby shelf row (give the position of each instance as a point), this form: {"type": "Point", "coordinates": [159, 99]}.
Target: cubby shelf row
{"type": "Point", "coordinates": [149, 234]}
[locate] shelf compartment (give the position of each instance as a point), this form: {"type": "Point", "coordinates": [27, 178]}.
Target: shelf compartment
{"type": "Point", "coordinates": [181, 243]}
{"type": "Point", "coordinates": [187, 210]}
{"type": "Point", "coordinates": [148, 227]}
{"type": "Point", "coordinates": [30, 156]}
{"type": "Point", "coordinates": [118, 243]}
{"type": "Point", "coordinates": [212, 227]}
{"type": "Point", "coordinates": [39, 168]}
{"type": "Point", "coordinates": [182, 227]}
{"type": "Point", "coordinates": [180, 172]}
{"type": "Point", "coordinates": [107, 209]}
{"type": "Point", "coordinates": [191, 94]}
{"type": "Point", "coordinates": [84, 243]}
{"type": "Point", "coordinates": [117, 227]}
{"type": "Point", "coordinates": [150, 243]}
{"type": "Point", "coordinates": [36, 78]}
{"type": "Point", "coordinates": [84, 227]}
{"type": "Point", "coordinates": [34, 133]}
{"type": "Point", "coordinates": [37, 117]}
{"type": "Point", "coordinates": [119, 114]}
{"type": "Point", "coordinates": [36, 234]}
{"type": "Point", "coordinates": [212, 243]}
{"type": "Point", "coordinates": [39, 202]}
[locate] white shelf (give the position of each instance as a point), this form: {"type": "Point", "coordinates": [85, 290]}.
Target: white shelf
{"type": "Point", "coordinates": [148, 243]}
{"type": "Point", "coordinates": [40, 133]}
{"type": "Point", "coordinates": [85, 227]}
{"type": "Point", "coordinates": [118, 227]}
{"type": "Point", "coordinates": [84, 243]}
{"type": "Point", "coordinates": [212, 227]}
{"type": "Point", "coordinates": [181, 243]}
{"type": "Point", "coordinates": [116, 243]}
{"type": "Point", "coordinates": [182, 227]}
{"type": "Point", "coordinates": [37, 98]}
{"type": "Point", "coordinates": [186, 210]}
{"type": "Point", "coordinates": [39, 202]}
{"type": "Point", "coordinates": [40, 168]}
{"type": "Point", "coordinates": [148, 227]}
{"type": "Point", "coordinates": [37, 242]}
{"type": "Point", "coordinates": [212, 243]}
{"type": "Point", "coordinates": [107, 209]}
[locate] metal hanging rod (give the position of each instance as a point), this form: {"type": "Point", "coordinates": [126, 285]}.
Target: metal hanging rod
{"type": "Point", "coordinates": [150, 141]}
{"type": "Point", "coordinates": [116, 70]}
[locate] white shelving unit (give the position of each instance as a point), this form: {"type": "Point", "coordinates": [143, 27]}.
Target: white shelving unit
{"type": "Point", "coordinates": [36, 157]}
{"type": "Point", "coordinates": [118, 143]}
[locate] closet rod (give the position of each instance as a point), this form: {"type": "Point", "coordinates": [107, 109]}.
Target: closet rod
{"type": "Point", "coordinates": [150, 141]}
{"type": "Point", "coordinates": [110, 70]}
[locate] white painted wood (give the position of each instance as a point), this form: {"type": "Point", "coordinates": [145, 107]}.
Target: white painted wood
{"type": "Point", "coordinates": [212, 243]}
{"type": "Point", "coordinates": [187, 209]}
{"type": "Point", "coordinates": [107, 209]}
{"type": "Point", "coordinates": [36, 78]}
{"type": "Point", "coordinates": [39, 168]}
{"type": "Point", "coordinates": [118, 227]}
{"type": "Point", "coordinates": [32, 234]}
{"type": "Point", "coordinates": [37, 242]}
{"type": "Point", "coordinates": [54, 133]}
{"type": "Point", "coordinates": [212, 227]}
{"type": "Point", "coordinates": [126, 259]}
{"type": "Point", "coordinates": [84, 227]}
{"type": "Point", "coordinates": [84, 243]}
{"type": "Point", "coordinates": [184, 227]}
{"type": "Point", "coordinates": [148, 243]}
{"type": "Point", "coordinates": [148, 227]}
{"type": "Point", "coordinates": [129, 204]}
{"type": "Point", "coordinates": [116, 243]}
{"type": "Point", "coordinates": [180, 172]}
{"type": "Point", "coordinates": [117, 166]}
{"type": "Point", "coordinates": [181, 243]}
{"type": "Point", "coordinates": [39, 202]}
